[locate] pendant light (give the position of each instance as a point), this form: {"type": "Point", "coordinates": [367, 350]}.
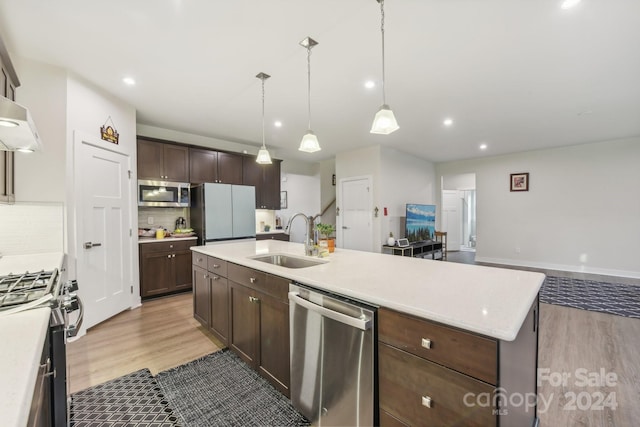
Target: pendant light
{"type": "Point", "coordinates": [263, 155]}
{"type": "Point", "coordinates": [309, 143]}
{"type": "Point", "coordinates": [384, 122]}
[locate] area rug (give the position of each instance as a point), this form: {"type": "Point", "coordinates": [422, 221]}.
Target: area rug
{"type": "Point", "coordinates": [613, 298]}
{"type": "Point", "coordinates": [221, 390]}
{"type": "Point", "coordinates": [133, 400]}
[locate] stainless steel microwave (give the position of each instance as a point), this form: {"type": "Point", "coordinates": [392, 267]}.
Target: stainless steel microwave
{"type": "Point", "coordinates": [163, 194]}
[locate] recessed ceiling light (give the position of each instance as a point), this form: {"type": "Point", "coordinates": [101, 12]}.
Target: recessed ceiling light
{"type": "Point", "coordinates": [448, 121]}
{"type": "Point", "coordinates": [277, 124]}
{"type": "Point", "coordinates": [568, 4]}
{"type": "Point", "coordinates": [369, 84]}
{"type": "Point", "coordinates": [129, 81]}
{"type": "Point", "coordinates": [483, 146]}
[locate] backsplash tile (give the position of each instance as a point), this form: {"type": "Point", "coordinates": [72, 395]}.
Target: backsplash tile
{"type": "Point", "coordinates": [31, 228]}
{"type": "Point", "coordinates": [162, 217]}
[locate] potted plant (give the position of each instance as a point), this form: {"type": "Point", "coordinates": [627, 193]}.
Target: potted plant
{"type": "Point", "coordinates": [327, 230]}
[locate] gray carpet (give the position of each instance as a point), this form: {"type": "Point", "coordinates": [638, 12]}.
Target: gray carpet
{"type": "Point", "coordinates": [613, 298]}
{"type": "Point", "coordinates": [133, 400]}
{"type": "Point", "coordinates": [221, 390]}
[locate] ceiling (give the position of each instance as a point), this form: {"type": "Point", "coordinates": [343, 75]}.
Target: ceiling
{"type": "Point", "coordinates": [516, 75]}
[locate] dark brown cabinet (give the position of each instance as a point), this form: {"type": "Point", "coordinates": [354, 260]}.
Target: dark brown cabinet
{"type": "Point", "coordinates": [165, 267]}
{"type": "Point", "coordinates": [259, 330]}
{"type": "Point", "coordinates": [8, 84]}
{"type": "Point", "coordinates": [214, 166]}
{"type": "Point", "coordinates": [162, 162]}
{"type": "Point", "coordinates": [273, 236]}
{"type": "Point", "coordinates": [266, 179]}
{"type": "Point", "coordinates": [211, 295]}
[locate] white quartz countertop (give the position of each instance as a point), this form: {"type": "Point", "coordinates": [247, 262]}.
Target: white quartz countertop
{"type": "Point", "coordinates": [22, 336]}
{"type": "Point", "coordinates": [32, 262]}
{"type": "Point", "coordinates": [165, 239]}
{"type": "Point", "coordinates": [486, 300]}
{"type": "Point", "coordinates": [272, 231]}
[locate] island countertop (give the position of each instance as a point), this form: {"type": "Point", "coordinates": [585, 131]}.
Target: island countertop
{"type": "Point", "coordinates": [486, 300]}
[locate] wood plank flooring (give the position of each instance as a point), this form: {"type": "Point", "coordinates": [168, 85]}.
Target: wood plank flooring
{"type": "Point", "coordinates": [163, 334]}
{"type": "Point", "coordinates": [159, 335]}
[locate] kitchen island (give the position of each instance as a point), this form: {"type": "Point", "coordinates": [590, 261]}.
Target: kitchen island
{"type": "Point", "coordinates": [449, 335]}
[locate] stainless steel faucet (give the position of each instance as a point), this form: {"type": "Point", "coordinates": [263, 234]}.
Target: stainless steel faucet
{"type": "Point", "coordinates": [308, 238]}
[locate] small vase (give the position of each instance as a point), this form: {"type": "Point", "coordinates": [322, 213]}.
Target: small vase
{"type": "Point", "coordinates": [391, 241]}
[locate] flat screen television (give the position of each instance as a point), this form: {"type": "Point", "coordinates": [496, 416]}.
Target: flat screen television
{"type": "Point", "coordinates": [420, 223]}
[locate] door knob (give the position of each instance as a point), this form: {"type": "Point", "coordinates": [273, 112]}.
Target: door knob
{"type": "Point", "coordinates": [89, 245]}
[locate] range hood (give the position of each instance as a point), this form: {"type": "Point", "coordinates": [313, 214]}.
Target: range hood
{"type": "Point", "coordinates": [17, 130]}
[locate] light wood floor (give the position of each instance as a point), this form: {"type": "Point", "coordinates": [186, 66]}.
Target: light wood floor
{"type": "Point", "coordinates": [163, 334]}
{"type": "Point", "coordinates": [159, 335]}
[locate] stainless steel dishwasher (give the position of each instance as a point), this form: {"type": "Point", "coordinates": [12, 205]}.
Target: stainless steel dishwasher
{"type": "Point", "coordinates": [333, 380]}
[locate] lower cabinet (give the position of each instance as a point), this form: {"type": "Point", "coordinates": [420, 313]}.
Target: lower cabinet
{"type": "Point", "coordinates": [165, 267]}
{"type": "Point", "coordinates": [259, 331]}
{"type": "Point", "coordinates": [211, 295]}
{"type": "Point", "coordinates": [434, 375]}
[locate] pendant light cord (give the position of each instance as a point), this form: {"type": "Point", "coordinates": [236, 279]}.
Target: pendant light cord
{"type": "Point", "coordinates": [309, 82]}
{"type": "Point", "coordinates": [263, 146]}
{"type": "Point", "coordinates": [384, 98]}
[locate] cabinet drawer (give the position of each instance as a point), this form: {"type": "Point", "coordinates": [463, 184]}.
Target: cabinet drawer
{"type": "Point", "coordinates": [246, 276]}
{"type": "Point", "coordinates": [217, 266]}
{"type": "Point", "coordinates": [459, 350]}
{"type": "Point", "coordinates": [199, 260]}
{"type": "Point", "coordinates": [410, 384]}
{"type": "Point", "coordinates": [168, 246]}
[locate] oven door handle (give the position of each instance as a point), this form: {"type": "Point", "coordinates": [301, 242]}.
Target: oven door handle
{"type": "Point", "coordinates": [72, 330]}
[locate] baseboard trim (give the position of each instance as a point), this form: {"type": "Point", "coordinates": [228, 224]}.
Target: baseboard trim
{"type": "Point", "coordinates": [560, 267]}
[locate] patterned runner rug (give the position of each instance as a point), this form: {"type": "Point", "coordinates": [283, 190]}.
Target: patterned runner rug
{"type": "Point", "coordinates": [613, 298]}
{"type": "Point", "coordinates": [221, 390]}
{"type": "Point", "coordinates": [133, 400]}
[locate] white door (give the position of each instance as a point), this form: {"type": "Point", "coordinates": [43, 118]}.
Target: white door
{"type": "Point", "coordinates": [103, 244]}
{"type": "Point", "coordinates": [356, 228]}
{"type": "Point", "coordinates": [452, 218]}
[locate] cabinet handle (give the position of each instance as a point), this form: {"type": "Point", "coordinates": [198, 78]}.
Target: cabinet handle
{"type": "Point", "coordinates": [214, 277]}
{"type": "Point", "coordinates": [426, 343]}
{"type": "Point", "coordinates": [169, 256]}
{"type": "Point", "coordinates": [216, 266]}
{"type": "Point", "coordinates": [426, 401]}
{"type": "Point", "coordinates": [200, 260]}
{"type": "Point", "coordinates": [254, 300]}
{"type": "Point", "coordinates": [252, 279]}
{"type": "Point", "coordinates": [173, 255]}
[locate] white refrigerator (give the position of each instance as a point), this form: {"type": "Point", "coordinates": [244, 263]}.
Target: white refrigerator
{"type": "Point", "coordinates": [223, 212]}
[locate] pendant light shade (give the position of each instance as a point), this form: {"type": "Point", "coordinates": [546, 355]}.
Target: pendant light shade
{"type": "Point", "coordinates": [309, 143]}
{"type": "Point", "coordinates": [263, 154]}
{"type": "Point", "coordinates": [385, 121]}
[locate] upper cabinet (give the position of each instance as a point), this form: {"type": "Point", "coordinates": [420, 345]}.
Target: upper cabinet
{"type": "Point", "coordinates": [162, 161]}
{"type": "Point", "coordinates": [215, 166]}
{"type": "Point", "coordinates": [266, 179]}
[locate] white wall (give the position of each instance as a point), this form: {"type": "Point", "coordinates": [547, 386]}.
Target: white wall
{"type": "Point", "coordinates": [303, 195]}
{"type": "Point", "coordinates": [398, 179]}
{"type": "Point", "coordinates": [328, 191]}
{"type": "Point", "coordinates": [581, 213]}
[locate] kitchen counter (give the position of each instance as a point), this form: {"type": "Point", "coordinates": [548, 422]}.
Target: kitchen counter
{"type": "Point", "coordinates": [277, 231]}
{"type": "Point", "coordinates": [32, 262]}
{"type": "Point", "coordinates": [486, 300]}
{"type": "Point", "coordinates": [166, 239]}
{"type": "Point", "coordinates": [22, 336]}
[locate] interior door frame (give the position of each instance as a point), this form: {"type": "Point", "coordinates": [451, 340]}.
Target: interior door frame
{"type": "Point", "coordinates": [75, 216]}
{"type": "Point", "coordinates": [339, 216]}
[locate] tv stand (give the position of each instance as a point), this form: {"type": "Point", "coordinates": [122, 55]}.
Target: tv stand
{"type": "Point", "coordinates": [424, 249]}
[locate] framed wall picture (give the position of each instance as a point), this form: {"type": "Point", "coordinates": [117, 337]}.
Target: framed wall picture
{"type": "Point", "coordinates": [520, 181]}
{"type": "Point", "coordinates": [283, 200]}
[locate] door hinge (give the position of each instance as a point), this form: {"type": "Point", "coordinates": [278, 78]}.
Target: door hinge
{"type": "Point", "coordinates": [130, 232]}
{"type": "Point", "coordinates": [132, 289]}
{"type": "Point", "coordinates": [129, 174]}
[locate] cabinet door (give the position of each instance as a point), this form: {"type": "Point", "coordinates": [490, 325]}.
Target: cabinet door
{"type": "Point", "coordinates": [230, 168]}
{"type": "Point", "coordinates": [243, 331]}
{"type": "Point", "coordinates": [150, 157]}
{"type": "Point", "coordinates": [181, 269]}
{"type": "Point", "coordinates": [252, 174]}
{"type": "Point", "coordinates": [219, 300]}
{"type": "Point", "coordinates": [203, 166]}
{"type": "Point", "coordinates": [271, 186]}
{"type": "Point", "coordinates": [274, 342]}
{"type": "Point", "coordinates": [201, 295]}
{"type": "Point", "coordinates": [176, 163]}
{"type": "Point", "coordinates": [156, 273]}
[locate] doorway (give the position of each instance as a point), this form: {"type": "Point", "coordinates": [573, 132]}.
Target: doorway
{"type": "Point", "coordinates": [355, 221]}
{"type": "Point", "coordinates": [459, 211]}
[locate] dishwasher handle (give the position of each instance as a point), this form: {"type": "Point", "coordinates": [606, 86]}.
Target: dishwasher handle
{"type": "Point", "coordinates": [363, 323]}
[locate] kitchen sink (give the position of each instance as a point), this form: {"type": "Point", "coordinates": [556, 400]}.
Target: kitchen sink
{"type": "Point", "coordinates": [288, 261]}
